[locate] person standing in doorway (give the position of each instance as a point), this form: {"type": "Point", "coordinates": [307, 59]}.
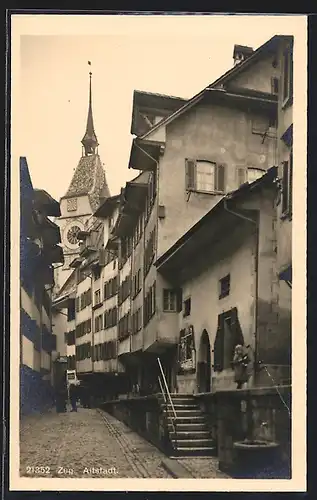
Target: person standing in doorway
{"type": "Point", "coordinates": [73, 393]}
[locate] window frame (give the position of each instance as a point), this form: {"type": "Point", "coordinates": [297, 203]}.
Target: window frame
{"type": "Point", "coordinates": [167, 294]}
{"type": "Point", "coordinates": [226, 293]}
{"type": "Point", "coordinates": [191, 175]}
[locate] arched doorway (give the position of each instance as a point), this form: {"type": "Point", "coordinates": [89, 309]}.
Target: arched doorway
{"type": "Point", "coordinates": [204, 364]}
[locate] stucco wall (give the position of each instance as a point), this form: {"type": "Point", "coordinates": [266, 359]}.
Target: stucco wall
{"type": "Point", "coordinates": [236, 256]}
{"type": "Point", "coordinates": [257, 76]}
{"type": "Point", "coordinates": [208, 131]}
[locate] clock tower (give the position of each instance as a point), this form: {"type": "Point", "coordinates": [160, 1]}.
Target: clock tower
{"type": "Point", "coordinates": [87, 189]}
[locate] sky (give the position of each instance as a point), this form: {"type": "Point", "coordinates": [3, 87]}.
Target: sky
{"type": "Point", "coordinates": [176, 55]}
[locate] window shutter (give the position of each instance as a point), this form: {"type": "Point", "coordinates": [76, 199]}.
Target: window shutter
{"type": "Point", "coordinates": [236, 328]}
{"type": "Point", "coordinates": [190, 166]}
{"type": "Point", "coordinates": [242, 176]}
{"type": "Point", "coordinates": [290, 191]}
{"type": "Point", "coordinates": [219, 345]}
{"type": "Point", "coordinates": [220, 177]}
{"type": "Point", "coordinates": [285, 200]}
{"type": "Point", "coordinates": [179, 300]}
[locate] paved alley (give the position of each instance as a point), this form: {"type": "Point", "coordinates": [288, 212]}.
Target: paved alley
{"type": "Point", "coordinates": [88, 443]}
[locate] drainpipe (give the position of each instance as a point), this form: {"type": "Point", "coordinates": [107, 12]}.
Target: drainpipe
{"type": "Point", "coordinates": [257, 244]}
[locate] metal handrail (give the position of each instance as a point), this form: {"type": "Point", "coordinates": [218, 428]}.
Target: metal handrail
{"type": "Point", "coordinates": [174, 417]}
{"type": "Point", "coordinates": [162, 390]}
{"type": "Point", "coordinates": [166, 408]}
{"type": "Point", "coordinates": [166, 386]}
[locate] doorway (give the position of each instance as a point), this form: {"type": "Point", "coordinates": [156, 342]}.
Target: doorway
{"type": "Point", "coordinates": [204, 364]}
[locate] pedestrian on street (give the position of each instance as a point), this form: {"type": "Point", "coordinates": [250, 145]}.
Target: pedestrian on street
{"type": "Point", "coordinates": [73, 394]}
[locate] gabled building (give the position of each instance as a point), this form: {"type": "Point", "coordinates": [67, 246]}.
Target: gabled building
{"type": "Point", "coordinates": [222, 138]}
{"type": "Point", "coordinates": [86, 191]}
{"type": "Point", "coordinates": [39, 251]}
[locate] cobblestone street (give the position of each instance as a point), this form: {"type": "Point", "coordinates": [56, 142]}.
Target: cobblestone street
{"type": "Point", "coordinates": [88, 443]}
{"type": "Point", "coordinates": [91, 443]}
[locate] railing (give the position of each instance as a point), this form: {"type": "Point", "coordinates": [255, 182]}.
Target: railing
{"type": "Point", "coordinates": [167, 397]}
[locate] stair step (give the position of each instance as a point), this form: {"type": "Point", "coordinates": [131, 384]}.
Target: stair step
{"type": "Point", "coordinates": [190, 426]}
{"type": "Point", "coordinates": [196, 451]}
{"type": "Point", "coordinates": [195, 434]}
{"type": "Point", "coordinates": [186, 406]}
{"type": "Point", "coordinates": [193, 443]}
{"type": "Point", "coordinates": [184, 412]}
{"type": "Point", "coordinates": [190, 419]}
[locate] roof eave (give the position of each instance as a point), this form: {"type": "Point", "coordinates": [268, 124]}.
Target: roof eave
{"type": "Point", "coordinates": [144, 154]}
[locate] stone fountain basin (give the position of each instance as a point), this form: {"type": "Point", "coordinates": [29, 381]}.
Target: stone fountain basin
{"type": "Point", "coordinates": [255, 444]}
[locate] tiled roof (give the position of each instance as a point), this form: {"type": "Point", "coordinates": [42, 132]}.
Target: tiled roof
{"type": "Point", "coordinates": [89, 178]}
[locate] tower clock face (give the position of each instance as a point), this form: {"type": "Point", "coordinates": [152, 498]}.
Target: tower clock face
{"type": "Point", "coordinates": [72, 235]}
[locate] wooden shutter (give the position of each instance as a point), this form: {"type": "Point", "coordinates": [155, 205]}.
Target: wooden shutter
{"type": "Point", "coordinates": [241, 175]}
{"type": "Point", "coordinates": [290, 184]}
{"type": "Point", "coordinates": [285, 195]}
{"type": "Point", "coordinates": [236, 328]}
{"type": "Point", "coordinates": [190, 168]}
{"type": "Point", "coordinates": [179, 299]}
{"type": "Point", "coordinates": [219, 345]}
{"type": "Point", "coordinates": [220, 178]}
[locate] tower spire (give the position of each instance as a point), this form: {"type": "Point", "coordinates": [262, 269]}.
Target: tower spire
{"type": "Point", "coordinates": [90, 141]}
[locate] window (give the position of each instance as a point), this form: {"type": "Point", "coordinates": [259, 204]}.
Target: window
{"type": "Point", "coordinates": [124, 290]}
{"type": "Point", "coordinates": [228, 335]}
{"type": "Point", "coordinates": [187, 307]}
{"type": "Point", "coordinates": [137, 283]}
{"type": "Point", "coordinates": [170, 298]}
{"type": "Point", "coordinates": [98, 323]}
{"type": "Point", "coordinates": [124, 327]}
{"type": "Point", "coordinates": [287, 186]}
{"type": "Point", "coordinates": [224, 286]}
{"type": "Point", "coordinates": [149, 304]}
{"type": "Point", "coordinates": [206, 176]}
{"type": "Point", "coordinates": [137, 321]}
{"type": "Point", "coordinates": [255, 173]}
{"type": "Point", "coordinates": [71, 310]}
{"type": "Point", "coordinates": [149, 252]}
{"type": "Point", "coordinates": [96, 272]}
{"type": "Point", "coordinates": [287, 75]}
{"type": "Point", "coordinates": [71, 337]}
{"type": "Point", "coordinates": [97, 297]}
{"type": "Point", "coordinates": [111, 317]}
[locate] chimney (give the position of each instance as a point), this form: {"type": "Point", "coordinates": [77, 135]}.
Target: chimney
{"type": "Point", "coordinates": [241, 53]}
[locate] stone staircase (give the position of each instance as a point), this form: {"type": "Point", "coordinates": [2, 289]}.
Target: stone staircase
{"type": "Point", "coordinates": [192, 436]}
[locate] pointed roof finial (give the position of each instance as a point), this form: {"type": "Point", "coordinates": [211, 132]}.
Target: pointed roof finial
{"type": "Point", "coordinates": [90, 141]}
